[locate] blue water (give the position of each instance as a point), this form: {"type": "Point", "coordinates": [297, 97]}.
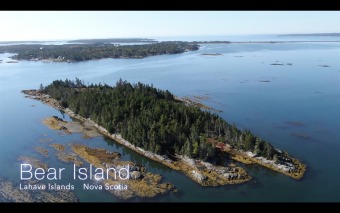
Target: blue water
{"type": "Point", "coordinates": [302, 92]}
{"type": "Point", "coordinates": [246, 38]}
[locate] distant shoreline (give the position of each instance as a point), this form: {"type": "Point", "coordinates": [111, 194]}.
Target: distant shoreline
{"type": "Point", "coordinates": [273, 42]}
{"type": "Point", "coordinates": [312, 34]}
{"type": "Point", "coordinates": [97, 51]}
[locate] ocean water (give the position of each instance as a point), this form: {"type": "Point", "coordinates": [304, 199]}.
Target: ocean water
{"type": "Point", "coordinates": [279, 103]}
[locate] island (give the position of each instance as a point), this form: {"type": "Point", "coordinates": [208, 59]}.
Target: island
{"type": "Point", "coordinates": [176, 133]}
{"type": "Point", "coordinates": [92, 51]}
{"type": "Point", "coordinates": [113, 40]}
{"type": "Point", "coordinates": [95, 49]}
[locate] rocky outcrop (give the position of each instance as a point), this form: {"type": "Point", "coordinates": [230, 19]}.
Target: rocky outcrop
{"type": "Point", "coordinates": [140, 183]}
{"type": "Point", "coordinates": [33, 161]}
{"type": "Point", "coordinates": [285, 165]}
{"type": "Point", "coordinates": [198, 176]}
{"type": "Point", "coordinates": [42, 151]}
{"type": "Point", "coordinates": [135, 175]}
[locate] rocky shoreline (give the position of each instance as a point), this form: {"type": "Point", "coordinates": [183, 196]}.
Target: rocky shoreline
{"type": "Point", "coordinates": [140, 183]}
{"type": "Point", "coordinates": [195, 101]}
{"type": "Point", "coordinates": [288, 166]}
{"type": "Point", "coordinates": [66, 157]}
{"type": "Point", "coordinates": [201, 172]}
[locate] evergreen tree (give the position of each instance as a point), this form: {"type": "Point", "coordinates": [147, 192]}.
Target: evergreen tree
{"type": "Point", "coordinates": [153, 120]}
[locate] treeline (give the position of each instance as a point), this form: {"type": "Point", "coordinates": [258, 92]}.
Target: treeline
{"type": "Point", "coordinates": [113, 40]}
{"type": "Point", "coordinates": [211, 42]}
{"type": "Point", "coordinates": [84, 52]}
{"type": "Point", "coordinates": [152, 119]}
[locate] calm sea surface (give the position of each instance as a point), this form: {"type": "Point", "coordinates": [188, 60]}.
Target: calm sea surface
{"type": "Point", "coordinates": [279, 103]}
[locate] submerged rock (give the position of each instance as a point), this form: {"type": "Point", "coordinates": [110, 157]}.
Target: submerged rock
{"type": "Point", "coordinates": [42, 151]}
{"type": "Point", "coordinates": [33, 161]}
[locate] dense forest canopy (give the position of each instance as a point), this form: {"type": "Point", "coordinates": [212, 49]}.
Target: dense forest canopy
{"type": "Point", "coordinates": [113, 40]}
{"type": "Point", "coordinates": [84, 52]}
{"type": "Point", "coordinates": [154, 120]}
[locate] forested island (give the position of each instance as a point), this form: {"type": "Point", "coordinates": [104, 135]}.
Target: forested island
{"type": "Point", "coordinates": [94, 49]}
{"type": "Point", "coordinates": [113, 40]}
{"type": "Point", "coordinates": [156, 121]}
{"type": "Point", "coordinates": [90, 51]}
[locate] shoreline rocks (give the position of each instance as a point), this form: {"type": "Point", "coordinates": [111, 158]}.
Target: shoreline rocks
{"type": "Point", "coordinates": [287, 166]}
{"type": "Point", "coordinates": [140, 182]}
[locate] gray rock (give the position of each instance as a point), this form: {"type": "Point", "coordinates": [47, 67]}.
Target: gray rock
{"type": "Point", "coordinates": [198, 176]}
{"type": "Point", "coordinates": [135, 175]}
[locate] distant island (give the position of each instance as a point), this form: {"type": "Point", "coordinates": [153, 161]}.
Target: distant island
{"type": "Point", "coordinates": [212, 42]}
{"type": "Point", "coordinates": [113, 40]}
{"type": "Point", "coordinates": [85, 52]}
{"type": "Point", "coordinates": [25, 42]}
{"type": "Point", "coordinates": [95, 49]}
{"type": "Point", "coordinates": [164, 128]}
{"type": "Point", "coordinates": [312, 34]}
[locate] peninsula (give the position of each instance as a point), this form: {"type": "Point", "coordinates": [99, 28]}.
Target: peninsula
{"type": "Point", "coordinates": [163, 128]}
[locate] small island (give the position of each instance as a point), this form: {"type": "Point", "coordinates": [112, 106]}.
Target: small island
{"type": "Point", "coordinates": [178, 134]}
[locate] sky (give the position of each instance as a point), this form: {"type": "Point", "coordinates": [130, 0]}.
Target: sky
{"type": "Point", "coordinates": [64, 25]}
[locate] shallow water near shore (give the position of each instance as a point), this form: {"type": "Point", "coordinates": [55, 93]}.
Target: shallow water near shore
{"type": "Point", "coordinates": [295, 106]}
